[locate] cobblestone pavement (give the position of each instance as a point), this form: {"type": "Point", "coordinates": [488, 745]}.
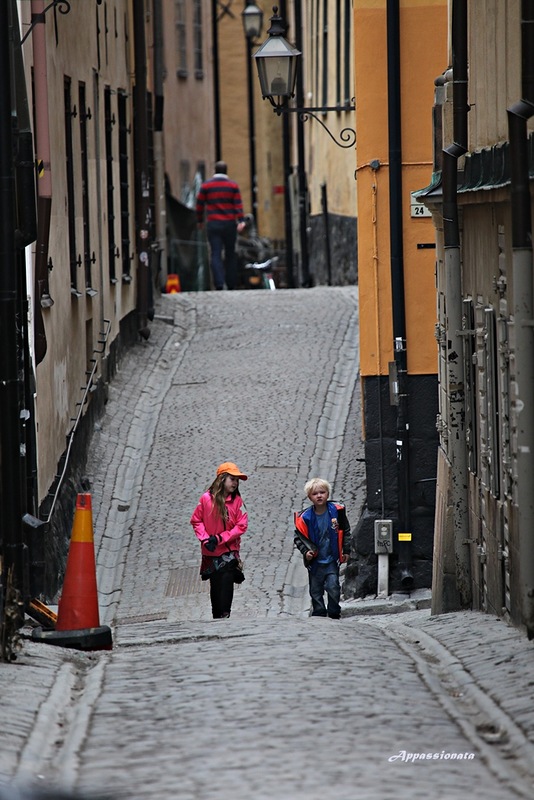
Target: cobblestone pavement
{"type": "Point", "coordinates": [271, 704]}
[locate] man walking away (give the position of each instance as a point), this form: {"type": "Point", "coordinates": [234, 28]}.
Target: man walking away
{"type": "Point", "coordinates": [219, 201]}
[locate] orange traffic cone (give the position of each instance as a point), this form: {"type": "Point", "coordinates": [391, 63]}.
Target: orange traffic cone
{"type": "Point", "coordinates": [78, 604]}
{"type": "Point", "coordinates": [173, 285]}
{"type": "Point", "coordinates": [78, 620]}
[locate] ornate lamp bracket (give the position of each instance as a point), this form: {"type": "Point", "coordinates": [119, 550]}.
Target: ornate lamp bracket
{"type": "Point", "coordinates": [347, 136]}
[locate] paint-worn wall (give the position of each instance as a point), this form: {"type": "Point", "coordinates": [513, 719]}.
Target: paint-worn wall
{"type": "Point", "coordinates": [90, 48]}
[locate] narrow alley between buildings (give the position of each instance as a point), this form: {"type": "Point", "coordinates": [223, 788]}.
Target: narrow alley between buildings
{"type": "Point", "coordinates": [270, 704]}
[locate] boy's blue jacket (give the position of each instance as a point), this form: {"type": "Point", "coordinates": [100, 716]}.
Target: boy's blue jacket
{"type": "Point", "coordinates": [306, 529]}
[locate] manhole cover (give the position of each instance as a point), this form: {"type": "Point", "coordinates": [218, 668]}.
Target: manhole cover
{"type": "Point", "coordinates": [185, 580]}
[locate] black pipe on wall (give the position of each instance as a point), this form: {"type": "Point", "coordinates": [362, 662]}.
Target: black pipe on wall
{"type": "Point", "coordinates": [11, 479]}
{"type": "Point", "coordinates": [404, 548]}
{"type": "Point", "coordinates": [306, 277]}
{"type": "Point", "coordinates": [216, 79]}
{"type": "Point", "coordinates": [453, 152]}
{"type": "Point", "coordinates": [457, 590]}
{"type": "Point", "coordinates": [142, 174]}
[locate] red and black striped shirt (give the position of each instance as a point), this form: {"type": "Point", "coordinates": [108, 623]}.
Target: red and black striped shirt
{"type": "Point", "coordinates": [220, 198]}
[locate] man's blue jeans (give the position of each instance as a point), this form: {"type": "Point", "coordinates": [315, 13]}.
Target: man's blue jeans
{"type": "Point", "coordinates": [222, 238]}
{"type": "Point", "coordinates": [325, 578]}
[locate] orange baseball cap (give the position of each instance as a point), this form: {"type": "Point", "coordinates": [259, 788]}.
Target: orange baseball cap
{"type": "Point", "coordinates": [231, 469]}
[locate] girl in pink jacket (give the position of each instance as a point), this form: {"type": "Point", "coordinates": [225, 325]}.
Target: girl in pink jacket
{"type": "Point", "coordinates": [219, 520]}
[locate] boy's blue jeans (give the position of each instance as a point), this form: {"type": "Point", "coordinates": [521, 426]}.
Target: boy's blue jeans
{"type": "Point", "coordinates": [325, 578]}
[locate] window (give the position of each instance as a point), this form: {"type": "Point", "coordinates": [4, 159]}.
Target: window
{"type": "Point", "coordinates": [125, 188]}
{"type": "Point", "coordinates": [88, 259]}
{"type": "Point", "coordinates": [197, 39]}
{"type": "Point", "coordinates": [185, 175]}
{"type": "Point", "coordinates": [181, 38]}
{"type": "Point", "coordinates": [74, 260]}
{"type": "Point", "coordinates": [112, 246]}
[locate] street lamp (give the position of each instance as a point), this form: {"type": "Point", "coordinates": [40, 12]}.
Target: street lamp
{"type": "Point", "coordinates": [276, 61]}
{"type": "Point", "coordinates": [252, 17]}
{"type": "Point", "coordinates": [278, 64]}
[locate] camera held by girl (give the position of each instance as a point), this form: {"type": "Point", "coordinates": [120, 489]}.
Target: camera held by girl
{"type": "Point", "coordinates": [219, 521]}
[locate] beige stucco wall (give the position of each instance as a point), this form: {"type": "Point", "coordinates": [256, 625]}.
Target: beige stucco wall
{"type": "Point", "coordinates": [189, 121]}
{"type": "Point", "coordinates": [235, 136]}
{"type": "Point", "coordinates": [494, 68]}
{"type": "Point", "coordinates": [326, 162]}
{"type": "Point", "coordinates": [73, 324]}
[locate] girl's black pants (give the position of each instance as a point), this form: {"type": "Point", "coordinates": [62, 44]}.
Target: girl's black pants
{"type": "Point", "coordinates": [222, 592]}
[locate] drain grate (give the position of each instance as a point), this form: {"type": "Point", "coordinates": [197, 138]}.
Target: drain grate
{"type": "Point", "coordinates": [185, 580]}
{"type": "Point", "coordinates": [134, 619]}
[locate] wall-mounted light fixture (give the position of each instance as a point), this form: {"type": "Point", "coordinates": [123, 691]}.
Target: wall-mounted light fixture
{"type": "Point", "coordinates": [252, 17]}
{"type": "Point", "coordinates": [277, 63]}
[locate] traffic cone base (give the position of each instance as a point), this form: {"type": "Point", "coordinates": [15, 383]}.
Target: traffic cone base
{"type": "Point", "coordinates": [99, 638]}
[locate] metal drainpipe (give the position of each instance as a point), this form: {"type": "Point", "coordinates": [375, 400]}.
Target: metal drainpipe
{"type": "Point", "coordinates": [404, 548]}
{"type": "Point", "coordinates": [253, 175]}
{"type": "Point", "coordinates": [25, 234]}
{"type": "Point", "coordinates": [11, 479]}
{"type": "Point", "coordinates": [142, 177]}
{"type": "Point", "coordinates": [216, 79]}
{"type": "Point", "coordinates": [159, 151]}
{"type": "Point", "coordinates": [523, 311]}
{"type": "Point", "coordinates": [307, 278]}
{"type": "Point", "coordinates": [461, 596]}
{"type": "Point", "coordinates": [288, 225]}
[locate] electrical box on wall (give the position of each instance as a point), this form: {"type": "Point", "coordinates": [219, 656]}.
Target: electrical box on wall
{"type": "Point", "coordinates": [383, 536]}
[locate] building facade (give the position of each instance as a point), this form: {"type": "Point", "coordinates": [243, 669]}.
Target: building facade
{"type": "Point", "coordinates": [480, 197]}
{"type": "Point", "coordinates": [328, 78]}
{"type": "Point", "coordinates": [396, 278]}
{"type": "Point", "coordinates": [84, 240]}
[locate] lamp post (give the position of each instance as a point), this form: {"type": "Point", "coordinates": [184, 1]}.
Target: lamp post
{"type": "Point", "coordinates": [252, 17]}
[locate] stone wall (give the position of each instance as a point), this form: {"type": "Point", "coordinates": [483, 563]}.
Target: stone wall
{"type": "Point", "coordinates": [343, 239]}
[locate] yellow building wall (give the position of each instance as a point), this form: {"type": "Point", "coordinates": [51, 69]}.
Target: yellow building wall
{"type": "Point", "coordinates": [326, 162]}
{"type": "Point", "coordinates": [234, 118]}
{"type": "Point", "coordinates": [423, 47]}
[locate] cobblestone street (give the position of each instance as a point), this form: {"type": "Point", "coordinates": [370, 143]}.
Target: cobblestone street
{"type": "Point", "coordinates": [271, 704]}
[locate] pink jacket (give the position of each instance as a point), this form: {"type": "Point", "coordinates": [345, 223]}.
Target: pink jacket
{"type": "Point", "coordinates": [206, 522]}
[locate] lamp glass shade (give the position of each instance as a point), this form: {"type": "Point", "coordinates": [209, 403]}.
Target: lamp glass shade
{"type": "Point", "coordinates": [252, 17]}
{"type": "Point", "coordinates": [276, 61]}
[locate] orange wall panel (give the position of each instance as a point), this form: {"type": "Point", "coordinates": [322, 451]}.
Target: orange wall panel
{"type": "Point", "coordinates": [423, 32]}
